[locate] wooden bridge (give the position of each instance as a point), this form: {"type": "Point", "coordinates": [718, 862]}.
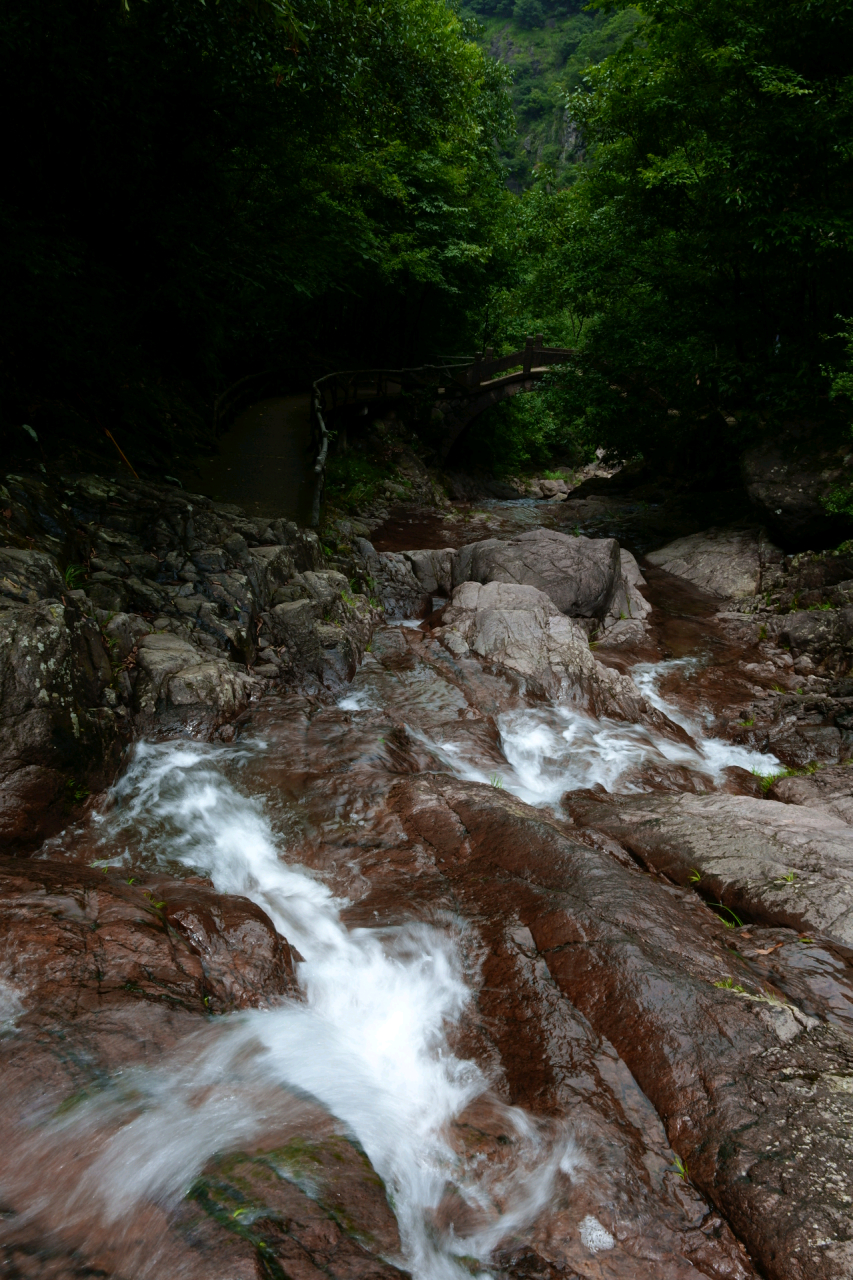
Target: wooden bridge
{"type": "Point", "coordinates": [445, 397]}
{"type": "Point", "coordinates": [452, 394]}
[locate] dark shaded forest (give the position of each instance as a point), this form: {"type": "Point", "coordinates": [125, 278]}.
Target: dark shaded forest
{"type": "Point", "coordinates": [199, 191]}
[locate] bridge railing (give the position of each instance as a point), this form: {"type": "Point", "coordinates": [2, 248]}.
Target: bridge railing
{"type": "Point", "coordinates": [458, 377]}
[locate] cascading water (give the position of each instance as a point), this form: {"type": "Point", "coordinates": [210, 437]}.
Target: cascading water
{"type": "Point", "coordinates": [368, 1042]}
{"type": "Point", "coordinates": [553, 748]}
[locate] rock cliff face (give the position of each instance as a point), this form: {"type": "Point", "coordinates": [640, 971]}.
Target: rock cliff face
{"type": "Point", "coordinates": [127, 606]}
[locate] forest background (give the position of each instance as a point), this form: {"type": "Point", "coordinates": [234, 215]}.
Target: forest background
{"type": "Point", "coordinates": [196, 190]}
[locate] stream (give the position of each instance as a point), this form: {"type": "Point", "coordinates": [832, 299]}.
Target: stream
{"type": "Point", "coordinates": [383, 1043]}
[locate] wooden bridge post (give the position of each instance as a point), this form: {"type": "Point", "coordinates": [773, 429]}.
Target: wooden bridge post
{"type": "Point", "coordinates": [528, 355]}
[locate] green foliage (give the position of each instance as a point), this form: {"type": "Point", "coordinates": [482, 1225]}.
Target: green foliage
{"type": "Point", "coordinates": [75, 792]}
{"type": "Point", "coordinates": [730, 919]}
{"type": "Point", "coordinates": [706, 244]}
{"type": "Point", "coordinates": [73, 576]}
{"type": "Point", "coordinates": [194, 189]}
{"type": "Point", "coordinates": [521, 435]}
{"type": "Point", "coordinates": [547, 47]}
{"type": "Point", "coordinates": [842, 377]}
{"type": "Point", "coordinates": [353, 480]}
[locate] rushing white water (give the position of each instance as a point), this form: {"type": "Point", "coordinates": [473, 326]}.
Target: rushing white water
{"type": "Point", "coordinates": [553, 748]}
{"type": "Point", "coordinates": [368, 1042]}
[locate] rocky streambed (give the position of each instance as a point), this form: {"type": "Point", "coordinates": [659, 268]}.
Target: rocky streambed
{"type": "Point", "coordinates": [482, 905]}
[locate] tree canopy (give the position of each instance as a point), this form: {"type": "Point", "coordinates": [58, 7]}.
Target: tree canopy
{"type": "Point", "coordinates": [194, 189]}
{"type": "Point", "coordinates": [702, 255]}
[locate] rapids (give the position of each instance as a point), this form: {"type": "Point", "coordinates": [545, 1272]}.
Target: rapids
{"type": "Point", "coordinates": [379, 1042]}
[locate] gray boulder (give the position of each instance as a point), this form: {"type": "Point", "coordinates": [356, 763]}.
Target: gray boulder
{"type": "Point", "coordinates": [321, 636]}
{"type": "Point", "coordinates": [580, 575]}
{"type": "Point", "coordinates": [519, 629]}
{"type": "Point", "coordinates": [823, 635]}
{"type": "Point", "coordinates": [176, 675]}
{"type": "Point", "coordinates": [829, 789]}
{"type": "Point", "coordinates": [433, 569]}
{"type": "Point", "coordinates": [625, 624]}
{"type": "Point", "coordinates": [29, 576]}
{"type": "Point", "coordinates": [57, 738]}
{"type": "Point", "coordinates": [773, 863]}
{"type": "Point", "coordinates": [724, 562]}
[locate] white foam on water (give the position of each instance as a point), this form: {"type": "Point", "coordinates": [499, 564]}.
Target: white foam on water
{"type": "Point", "coordinates": [358, 700]}
{"type": "Point", "coordinates": [554, 748]}
{"type": "Point", "coordinates": [368, 1042]}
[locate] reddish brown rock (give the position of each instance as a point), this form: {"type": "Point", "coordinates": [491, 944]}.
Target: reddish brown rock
{"type": "Point", "coordinates": [755, 1095]}
{"type": "Point", "coordinates": [79, 940]}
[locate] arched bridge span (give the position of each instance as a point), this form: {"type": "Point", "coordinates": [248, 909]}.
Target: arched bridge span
{"type": "Point", "coordinates": [454, 393]}
{"type": "Point", "coordinates": [450, 394]}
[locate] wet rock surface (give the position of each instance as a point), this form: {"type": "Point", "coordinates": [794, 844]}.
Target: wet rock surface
{"type": "Point", "coordinates": [640, 1065]}
{"type": "Point", "coordinates": [133, 607]}
{"type": "Point", "coordinates": [519, 629]}
{"type": "Point", "coordinates": [769, 863]}
{"type": "Point", "coordinates": [758, 1142]}
{"type": "Point", "coordinates": [725, 562]}
{"type": "Point", "coordinates": [580, 575]}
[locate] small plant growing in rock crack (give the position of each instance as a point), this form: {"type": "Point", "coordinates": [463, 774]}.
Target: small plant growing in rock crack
{"type": "Point", "coordinates": [75, 792]}
{"type": "Point", "coordinates": [786, 879]}
{"type": "Point", "coordinates": [747, 724]}
{"type": "Point", "coordinates": [73, 576]}
{"type": "Point", "coordinates": [496, 780]}
{"type": "Point", "coordinates": [695, 875]}
{"type": "Point", "coordinates": [729, 984]}
{"type": "Point", "coordinates": [680, 1168]}
{"type": "Point", "coordinates": [735, 922]}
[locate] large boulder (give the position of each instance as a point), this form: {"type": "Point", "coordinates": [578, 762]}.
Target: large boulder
{"type": "Point", "coordinates": [322, 634]}
{"type": "Point", "coordinates": [59, 737]}
{"type": "Point", "coordinates": [519, 629]}
{"type": "Point", "coordinates": [724, 562]}
{"type": "Point", "coordinates": [829, 789]}
{"type": "Point", "coordinates": [769, 862]}
{"type": "Point", "coordinates": [580, 575]}
{"type": "Point", "coordinates": [433, 569]}
{"type": "Point", "coordinates": [395, 581]}
{"type": "Point", "coordinates": [625, 623]}
{"type": "Point", "coordinates": [82, 940]}
{"type": "Point", "coordinates": [29, 575]}
{"type": "Point", "coordinates": [176, 675]}
{"type": "Point", "coordinates": [823, 635]}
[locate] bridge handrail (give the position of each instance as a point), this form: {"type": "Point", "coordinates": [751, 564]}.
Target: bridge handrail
{"type": "Point", "coordinates": [460, 375]}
